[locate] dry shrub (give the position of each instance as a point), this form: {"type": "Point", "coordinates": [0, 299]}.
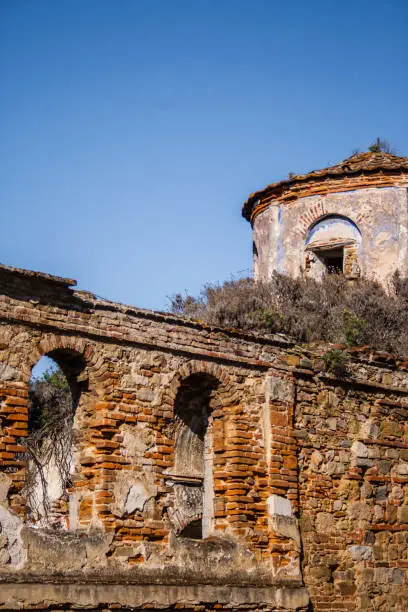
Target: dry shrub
{"type": "Point", "coordinates": [49, 443]}
{"type": "Point", "coordinates": [333, 310]}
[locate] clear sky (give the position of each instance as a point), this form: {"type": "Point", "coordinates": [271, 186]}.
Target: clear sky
{"type": "Point", "coordinates": [131, 131]}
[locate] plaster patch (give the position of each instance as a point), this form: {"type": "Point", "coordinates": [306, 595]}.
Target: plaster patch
{"type": "Point", "coordinates": [131, 493]}
{"type": "Point", "coordinates": [137, 497]}
{"type": "Point", "coordinates": [8, 373]}
{"type": "Point", "coordinates": [5, 484]}
{"type": "Point", "coordinates": [11, 527]}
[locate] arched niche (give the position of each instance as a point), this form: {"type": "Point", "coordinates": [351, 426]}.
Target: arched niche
{"type": "Point", "coordinates": [192, 473]}
{"type": "Point", "coordinates": [333, 245]}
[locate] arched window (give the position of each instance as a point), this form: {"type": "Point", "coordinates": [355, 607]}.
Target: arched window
{"type": "Point", "coordinates": [54, 394]}
{"type": "Point", "coordinates": [333, 245]}
{"type": "Point", "coordinates": [193, 471]}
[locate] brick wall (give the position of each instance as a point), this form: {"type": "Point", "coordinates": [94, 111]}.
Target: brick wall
{"type": "Point", "coordinates": [307, 494]}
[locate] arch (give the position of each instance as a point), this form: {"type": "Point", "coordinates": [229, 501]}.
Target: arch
{"type": "Point", "coordinates": [198, 367]}
{"type": "Point", "coordinates": [333, 218]}
{"type": "Point", "coordinates": [56, 346]}
{"type": "Point", "coordinates": [321, 209]}
{"type": "Point", "coordinates": [49, 444]}
{"type": "Point", "coordinates": [198, 395]}
{"type": "Point", "coordinates": [81, 364]}
{"type": "Point", "coordinates": [333, 244]}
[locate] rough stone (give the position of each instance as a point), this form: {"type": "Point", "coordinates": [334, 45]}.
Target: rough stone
{"type": "Point", "coordinates": [5, 484]}
{"type": "Point", "coordinates": [8, 373]}
{"type": "Point", "coordinates": [360, 553]}
{"type": "Point", "coordinates": [189, 495]}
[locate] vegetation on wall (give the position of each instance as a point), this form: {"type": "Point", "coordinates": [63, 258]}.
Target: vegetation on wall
{"type": "Point", "coordinates": [335, 310]}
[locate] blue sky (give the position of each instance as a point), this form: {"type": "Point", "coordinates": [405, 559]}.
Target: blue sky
{"type": "Point", "coordinates": [132, 131]}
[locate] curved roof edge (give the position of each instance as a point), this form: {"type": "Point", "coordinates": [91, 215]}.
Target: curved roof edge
{"type": "Point", "coordinates": [359, 163]}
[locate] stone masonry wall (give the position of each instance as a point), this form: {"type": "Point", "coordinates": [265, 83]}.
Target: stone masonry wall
{"type": "Point", "coordinates": [306, 502]}
{"type": "Point", "coordinates": [353, 488]}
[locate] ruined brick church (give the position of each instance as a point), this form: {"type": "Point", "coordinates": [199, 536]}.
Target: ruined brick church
{"type": "Point", "coordinates": [212, 469]}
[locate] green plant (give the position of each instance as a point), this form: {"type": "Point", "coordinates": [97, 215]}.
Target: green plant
{"type": "Point", "coordinates": [380, 145]}
{"type": "Point", "coordinates": [269, 319]}
{"type": "Point", "coordinates": [353, 328]}
{"type": "Point", "coordinates": [56, 378]}
{"type": "Point", "coordinates": [335, 362]}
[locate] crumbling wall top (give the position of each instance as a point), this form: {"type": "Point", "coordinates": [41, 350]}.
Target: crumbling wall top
{"type": "Point", "coordinates": [8, 271]}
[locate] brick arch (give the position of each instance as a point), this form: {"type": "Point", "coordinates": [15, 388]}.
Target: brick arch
{"type": "Point", "coordinates": [179, 519]}
{"type": "Point", "coordinates": [318, 211]}
{"type": "Point", "coordinates": [333, 215]}
{"type": "Point", "coordinates": [198, 367]}
{"type": "Point", "coordinates": [52, 342]}
{"type": "Point", "coordinates": [225, 390]}
{"type": "Point", "coordinates": [227, 398]}
{"type": "Point", "coordinates": [89, 404]}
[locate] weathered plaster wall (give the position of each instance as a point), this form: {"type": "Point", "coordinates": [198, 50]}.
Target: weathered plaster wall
{"type": "Point", "coordinates": [380, 213]}
{"type": "Point", "coordinates": [289, 447]}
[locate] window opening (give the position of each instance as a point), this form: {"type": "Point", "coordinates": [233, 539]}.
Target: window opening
{"type": "Point", "coordinates": [332, 259]}
{"type": "Point", "coordinates": [54, 392]}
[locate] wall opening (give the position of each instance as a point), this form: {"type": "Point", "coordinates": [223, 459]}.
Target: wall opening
{"type": "Point", "coordinates": [193, 467]}
{"type": "Point", "coordinates": [333, 246]}
{"type": "Point", "coordinates": [54, 393]}
{"type": "Point", "coordinates": [332, 259]}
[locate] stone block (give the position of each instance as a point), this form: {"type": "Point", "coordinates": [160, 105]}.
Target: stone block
{"type": "Point", "coordinates": [403, 514]}
{"type": "Point", "coordinates": [381, 493]}
{"type": "Point", "coordinates": [397, 576]}
{"type": "Point", "coordinates": [279, 506]}
{"type": "Point", "coordinates": [360, 553]}
{"type": "Point", "coordinates": [346, 588]}
{"type": "Point", "coordinates": [279, 389]}
{"type": "Point", "coordinates": [382, 575]}
{"type": "Point", "coordinates": [359, 449]}
{"type": "Point", "coordinates": [370, 429]}
{"type": "Point", "coordinates": [285, 527]}
{"type": "Point", "coordinates": [8, 373]}
{"type": "Point", "coordinates": [359, 511]}
{"type": "Point", "coordinates": [391, 428]}
{"type": "Point", "coordinates": [402, 469]}
{"type": "Point", "coordinates": [325, 522]}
